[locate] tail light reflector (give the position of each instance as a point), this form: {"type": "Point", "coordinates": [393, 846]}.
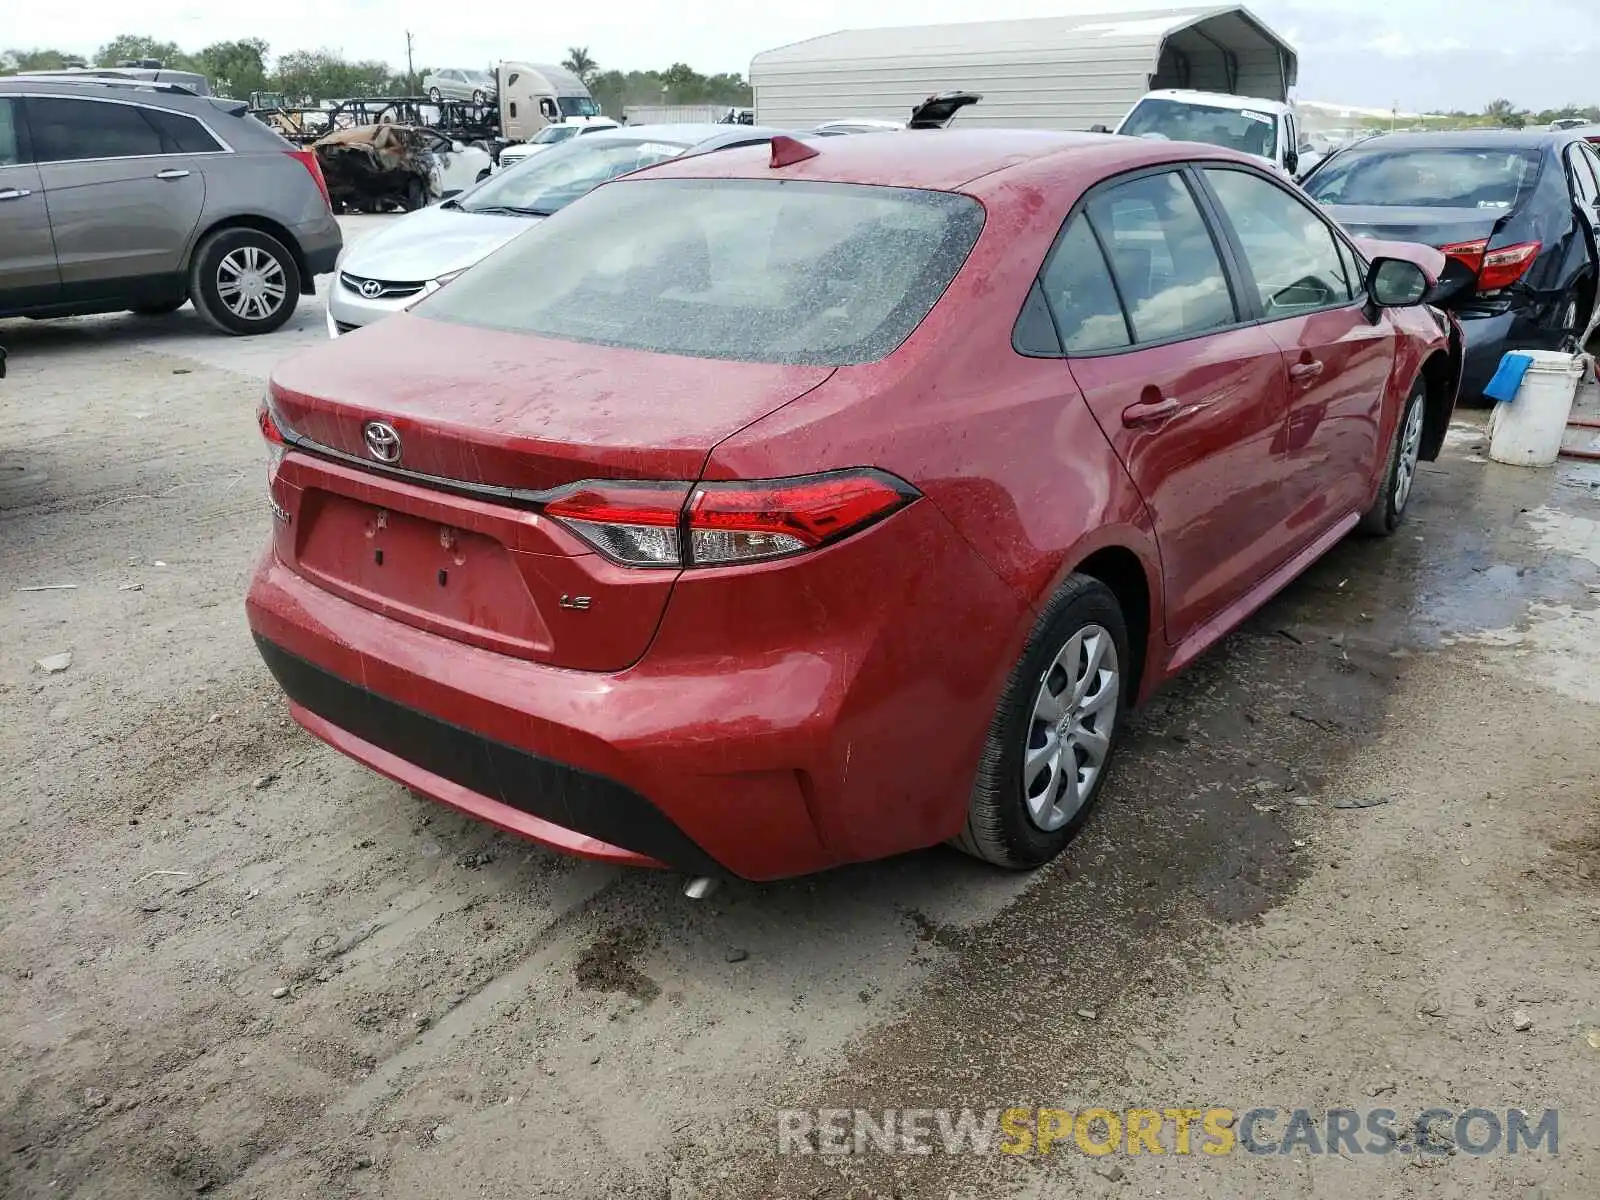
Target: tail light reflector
{"type": "Point", "coordinates": [738, 522]}
{"type": "Point", "coordinates": [1495, 269]}
{"type": "Point", "coordinates": [715, 524]}
{"type": "Point", "coordinates": [634, 523]}
{"type": "Point", "coordinates": [273, 436]}
{"type": "Point", "coordinates": [1503, 267]}
{"type": "Point", "coordinates": [308, 160]}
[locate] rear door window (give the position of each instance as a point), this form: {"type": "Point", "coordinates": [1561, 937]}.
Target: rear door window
{"type": "Point", "coordinates": [1586, 188]}
{"type": "Point", "coordinates": [1081, 295]}
{"type": "Point", "coordinates": [1166, 264]}
{"type": "Point", "coordinates": [180, 134]}
{"type": "Point", "coordinates": [10, 133]}
{"type": "Point", "coordinates": [68, 130]}
{"type": "Point", "coordinates": [1290, 251]}
{"type": "Point", "coordinates": [754, 270]}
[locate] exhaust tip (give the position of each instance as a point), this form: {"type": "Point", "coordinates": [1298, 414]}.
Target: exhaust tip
{"type": "Point", "coordinates": [700, 887]}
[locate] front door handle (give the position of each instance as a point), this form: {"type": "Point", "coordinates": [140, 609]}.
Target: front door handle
{"type": "Point", "coordinates": [14, 193]}
{"type": "Point", "coordinates": [172, 173]}
{"type": "Point", "coordinates": [1148, 412]}
{"type": "Point", "coordinates": [1305, 372]}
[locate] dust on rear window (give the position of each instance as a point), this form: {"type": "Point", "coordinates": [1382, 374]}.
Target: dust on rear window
{"type": "Point", "coordinates": [777, 271]}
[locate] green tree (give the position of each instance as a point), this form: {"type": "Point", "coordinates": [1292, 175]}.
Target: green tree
{"type": "Point", "coordinates": [37, 59]}
{"type": "Point", "coordinates": [1503, 112]}
{"type": "Point", "coordinates": [128, 46]}
{"type": "Point", "coordinates": [235, 68]}
{"type": "Point", "coordinates": [579, 62]}
{"type": "Point", "coordinates": [312, 75]}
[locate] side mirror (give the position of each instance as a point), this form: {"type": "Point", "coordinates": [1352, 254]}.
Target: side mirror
{"type": "Point", "coordinates": [1291, 162]}
{"type": "Point", "coordinates": [1098, 129]}
{"type": "Point", "coordinates": [451, 193]}
{"type": "Point", "coordinates": [1396, 283]}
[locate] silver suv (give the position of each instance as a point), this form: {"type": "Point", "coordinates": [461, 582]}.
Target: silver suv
{"type": "Point", "coordinates": [120, 195]}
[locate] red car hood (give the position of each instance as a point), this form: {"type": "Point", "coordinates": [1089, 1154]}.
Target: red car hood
{"type": "Point", "coordinates": [515, 410]}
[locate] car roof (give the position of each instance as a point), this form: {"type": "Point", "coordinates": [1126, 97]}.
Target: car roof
{"type": "Point", "coordinates": [947, 159]}
{"type": "Point", "coordinates": [154, 94]}
{"type": "Point", "coordinates": [1219, 99]}
{"type": "Point", "coordinates": [1471, 139]}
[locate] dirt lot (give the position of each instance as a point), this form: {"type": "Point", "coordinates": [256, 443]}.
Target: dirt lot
{"type": "Point", "coordinates": [1353, 859]}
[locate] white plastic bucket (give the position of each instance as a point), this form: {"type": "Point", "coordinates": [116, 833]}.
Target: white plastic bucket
{"type": "Point", "coordinates": [1526, 431]}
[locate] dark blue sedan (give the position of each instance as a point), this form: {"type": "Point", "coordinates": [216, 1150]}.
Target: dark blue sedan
{"type": "Point", "coordinates": [1517, 213]}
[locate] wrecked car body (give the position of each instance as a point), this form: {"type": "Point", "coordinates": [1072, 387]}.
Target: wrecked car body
{"type": "Point", "coordinates": [375, 167]}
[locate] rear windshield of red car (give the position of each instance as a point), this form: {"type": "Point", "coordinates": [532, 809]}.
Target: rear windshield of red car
{"type": "Point", "coordinates": [774, 271]}
{"type": "Point", "coordinates": [1437, 177]}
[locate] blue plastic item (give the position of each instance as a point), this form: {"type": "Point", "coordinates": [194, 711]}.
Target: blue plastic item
{"type": "Point", "coordinates": [1508, 377]}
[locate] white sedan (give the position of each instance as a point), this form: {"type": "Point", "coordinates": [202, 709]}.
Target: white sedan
{"type": "Point", "coordinates": [552, 135]}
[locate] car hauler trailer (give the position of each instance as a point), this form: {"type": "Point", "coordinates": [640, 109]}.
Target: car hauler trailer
{"type": "Point", "coordinates": [1042, 73]}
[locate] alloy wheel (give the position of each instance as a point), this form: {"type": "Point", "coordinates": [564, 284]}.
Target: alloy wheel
{"type": "Point", "coordinates": [1405, 467]}
{"type": "Point", "coordinates": [1074, 714]}
{"type": "Point", "coordinates": [251, 283]}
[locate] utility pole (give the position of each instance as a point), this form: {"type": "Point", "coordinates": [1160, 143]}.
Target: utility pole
{"type": "Point", "coordinates": [411, 70]}
{"type": "Point", "coordinates": [1394, 116]}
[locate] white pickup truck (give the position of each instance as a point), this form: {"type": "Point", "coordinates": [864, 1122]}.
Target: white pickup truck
{"type": "Point", "coordinates": [1268, 129]}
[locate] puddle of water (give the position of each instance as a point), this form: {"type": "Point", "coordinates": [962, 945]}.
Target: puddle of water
{"type": "Point", "coordinates": [1559, 643]}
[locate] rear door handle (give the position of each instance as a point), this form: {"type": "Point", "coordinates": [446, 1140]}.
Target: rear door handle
{"type": "Point", "coordinates": [1148, 412]}
{"type": "Point", "coordinates": [172, 173]}
{"type": "Point", "coordinates": [14, 193]}
{"type": "Point", "coordinates": [1305, 372]}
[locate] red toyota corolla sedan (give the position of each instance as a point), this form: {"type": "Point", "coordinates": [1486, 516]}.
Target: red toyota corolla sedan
{"type": "Point", "coordinates": [780, 508]}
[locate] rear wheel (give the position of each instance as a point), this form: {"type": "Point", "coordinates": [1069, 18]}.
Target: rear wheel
{"type": "Point", "coordinates": [244, 281]}
{"type": "Point", "coordinates": [1054, 732]}
{"type": "Point", "coordinates": [1400, 471]}
{"type": "Point", "coordinates": [477, 97]}
{"type": "Point", "coordinates": [433, 94]}
{"type": "Point", "coordinates": [416, 195]}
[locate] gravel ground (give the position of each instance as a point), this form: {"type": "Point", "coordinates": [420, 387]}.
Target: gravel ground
{"type": "Point", "coordinates": [1352, 859]}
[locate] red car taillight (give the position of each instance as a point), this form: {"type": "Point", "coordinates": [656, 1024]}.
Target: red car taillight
{"type": "Point", "coordinates": [1495, 269]}
{"type": "Point", "coordinates": [308, 160]}
{"type": "Point", "coordinates": [715, 524]}
{"type": "Point", "coordinates": [276, 446]}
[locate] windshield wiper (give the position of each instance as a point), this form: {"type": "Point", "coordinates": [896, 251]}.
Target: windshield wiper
{"type": "Point", "coordinates": [512, 210]}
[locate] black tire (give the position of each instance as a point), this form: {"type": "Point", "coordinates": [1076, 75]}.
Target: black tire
{"type": "Point", "coordinates": [228, 247]}
{"type": "Point", "coordinates": [433, 95]}
{"type": "Point", "coordinates": [1389, 509]}
{"type": "Point", "coordinates": [999, 827]}
{"type": "Point", "coordinates": [416, 195]}
{"type": "Point", "coordinates": [477, 97]}
{"type": "Point", "coordinates": [1570, 316]}
{"type": "Point", "coordinates": [160, 308]}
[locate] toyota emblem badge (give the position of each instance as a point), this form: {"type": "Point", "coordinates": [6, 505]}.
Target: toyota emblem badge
{"type": "Point", "coordinates": [382, 441]}
{"type": "Point", "coordinates": [371, 288]}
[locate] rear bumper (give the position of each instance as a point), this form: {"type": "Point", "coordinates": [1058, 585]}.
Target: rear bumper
{"type": "Point", "coordinates": [776, 726]}
{"type": "Point", "coordinates": [511, 788]}
{"type": "Point", "coordinates": [1488, 338]}
{"type": "Point", "coordinates": [320, 243]}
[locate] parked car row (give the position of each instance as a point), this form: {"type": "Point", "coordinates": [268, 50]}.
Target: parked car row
{"type": "Point", "coordinates": [644, 537]}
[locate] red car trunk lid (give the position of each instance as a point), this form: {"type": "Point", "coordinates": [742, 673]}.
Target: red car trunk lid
{"type": "Point", "coordinates": [474, 407]}
{"type": "Point", "coordinates": [515, 410]}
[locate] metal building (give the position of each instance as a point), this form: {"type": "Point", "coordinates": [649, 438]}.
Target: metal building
{"type": "Point", "coordinates": [1043, 73]}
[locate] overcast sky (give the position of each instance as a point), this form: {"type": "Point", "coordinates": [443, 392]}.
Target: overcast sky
{"type": "Point", "coordinates": [1423, 53]}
